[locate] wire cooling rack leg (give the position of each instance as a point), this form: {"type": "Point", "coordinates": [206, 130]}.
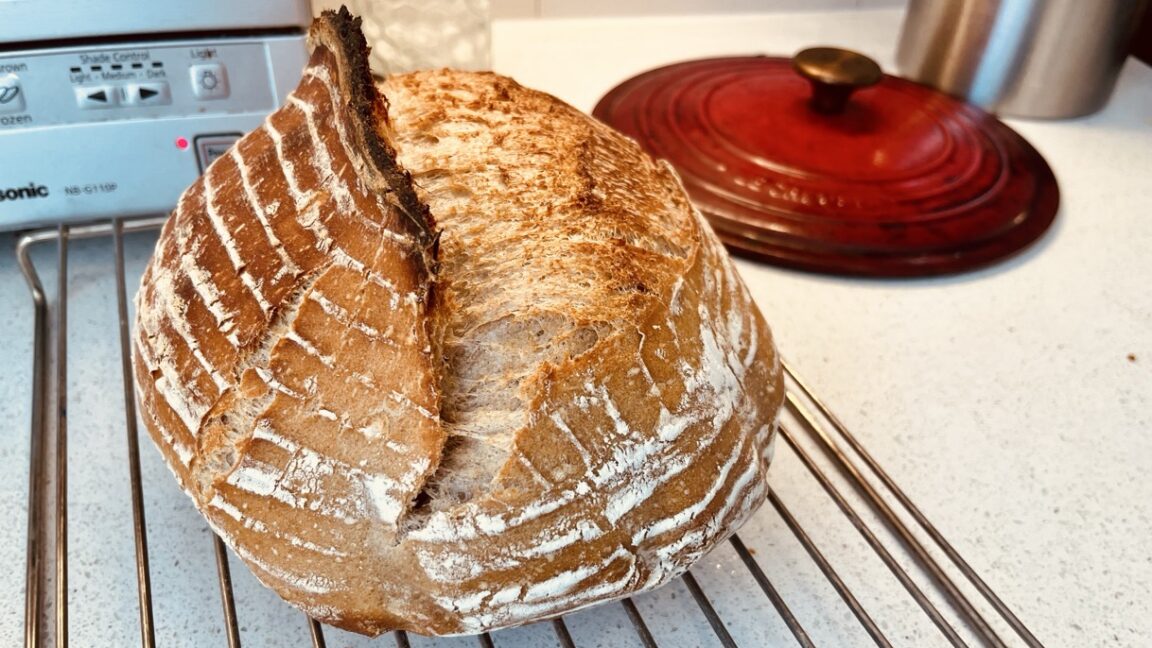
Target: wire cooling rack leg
{"type": "Point", "coordinates": [139, 525]}
{"type": "Point", "coordinates": [642, 631]}
{"type": "Point", "coordinates": [226, 598]}
{"type": "Point", "coordinates": [766, 586]}
{"type": "Point", "coordinates": [846, 595]}
{"type": "Point", "coordinates": [1001, 608]}
{"type": "Point", "coordinates": [317, 633]}
{"type": "Point", "coordinates": [37, 468]}
{"type": "Point", "coordinates": [62, 438]}
{"type": "Point", "coordinates": [562, 633]}
{"type": "Point", "coordinates": [709, 612]}
{"type": "Point", "coordinates": [952, 593]}
{"type": "Point", "coordinates": [885, 556]}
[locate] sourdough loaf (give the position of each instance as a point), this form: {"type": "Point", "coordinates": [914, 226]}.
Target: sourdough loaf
{"type": "Point", "coordinates": [448, 355]}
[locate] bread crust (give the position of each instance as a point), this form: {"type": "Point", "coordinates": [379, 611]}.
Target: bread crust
{"type": "Point", "coordinates": [306, 331]}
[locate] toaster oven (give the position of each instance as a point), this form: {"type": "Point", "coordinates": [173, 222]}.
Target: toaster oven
{"type": "Point", "coordinates": [112, 108]}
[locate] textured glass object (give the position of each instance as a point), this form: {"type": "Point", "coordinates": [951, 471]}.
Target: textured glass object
{"type": "Point", "coordinates": [410, 35]}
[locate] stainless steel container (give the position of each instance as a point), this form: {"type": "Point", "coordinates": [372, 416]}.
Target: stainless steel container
{"type": "Point", "coordinates": [1024, 58]}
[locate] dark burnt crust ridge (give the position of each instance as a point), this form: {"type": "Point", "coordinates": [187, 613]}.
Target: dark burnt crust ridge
{"type": "Point", "coordinates": [339, 32]}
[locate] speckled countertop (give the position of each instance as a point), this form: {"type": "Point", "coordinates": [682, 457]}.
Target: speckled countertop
{"type": "Point", "coordinates": [1013, 404]}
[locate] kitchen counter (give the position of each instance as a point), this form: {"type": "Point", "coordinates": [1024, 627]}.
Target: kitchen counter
{"type": "Point", "coordinates": [1013, 404]}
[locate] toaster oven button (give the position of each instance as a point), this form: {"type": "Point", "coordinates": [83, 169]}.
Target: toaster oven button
{"type": "Point", "coordinates": [210, 147]}
{"type": "Point", "coordinates": [209, 80]}
{"type": "Point", "coordinates": [11, 94]}
{"type": "Point", "coordinates": [90, 97]}
{"type": "Point", "coordinates": [148, 94]}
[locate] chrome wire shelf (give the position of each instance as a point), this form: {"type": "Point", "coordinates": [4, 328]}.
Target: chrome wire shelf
{"type": "Point", "coordinates": [932, 597]}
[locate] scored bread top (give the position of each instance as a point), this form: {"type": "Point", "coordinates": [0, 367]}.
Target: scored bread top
{"type": "Point", "coordinates": [522, 380]}
{"type": "Point", "coordinates": [548, 246]}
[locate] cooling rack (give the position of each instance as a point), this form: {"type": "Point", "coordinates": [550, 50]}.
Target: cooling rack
{"type": "Point", "coordinates": [838, 556]}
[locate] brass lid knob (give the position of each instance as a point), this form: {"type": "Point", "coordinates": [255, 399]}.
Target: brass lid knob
{"type": "Point", "coordinates": [835, 74]}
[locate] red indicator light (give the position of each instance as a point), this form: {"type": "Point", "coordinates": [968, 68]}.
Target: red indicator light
{"type": "Point", "coordinates": [182, 143]}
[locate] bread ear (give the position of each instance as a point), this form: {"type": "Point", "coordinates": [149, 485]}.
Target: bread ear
{"type": "Point", "coordinates": [283, 357]}
{"type": "Point", "coordinates": [339, 33]}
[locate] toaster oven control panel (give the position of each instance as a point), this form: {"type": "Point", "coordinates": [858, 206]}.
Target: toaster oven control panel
{"type": "Point", "coordinates": [91, 132]}
{"type": "Point", "coordinates": [134, 83]}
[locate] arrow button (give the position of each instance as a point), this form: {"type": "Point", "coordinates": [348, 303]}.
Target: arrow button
{"type": "Point", "coordinates": [149, 94]}
{"type": "Point", "coordinates": [89, 97]}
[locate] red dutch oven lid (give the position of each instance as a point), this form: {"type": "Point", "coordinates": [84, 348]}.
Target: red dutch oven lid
{"type": "Point", "coordinates": [823, 163]}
